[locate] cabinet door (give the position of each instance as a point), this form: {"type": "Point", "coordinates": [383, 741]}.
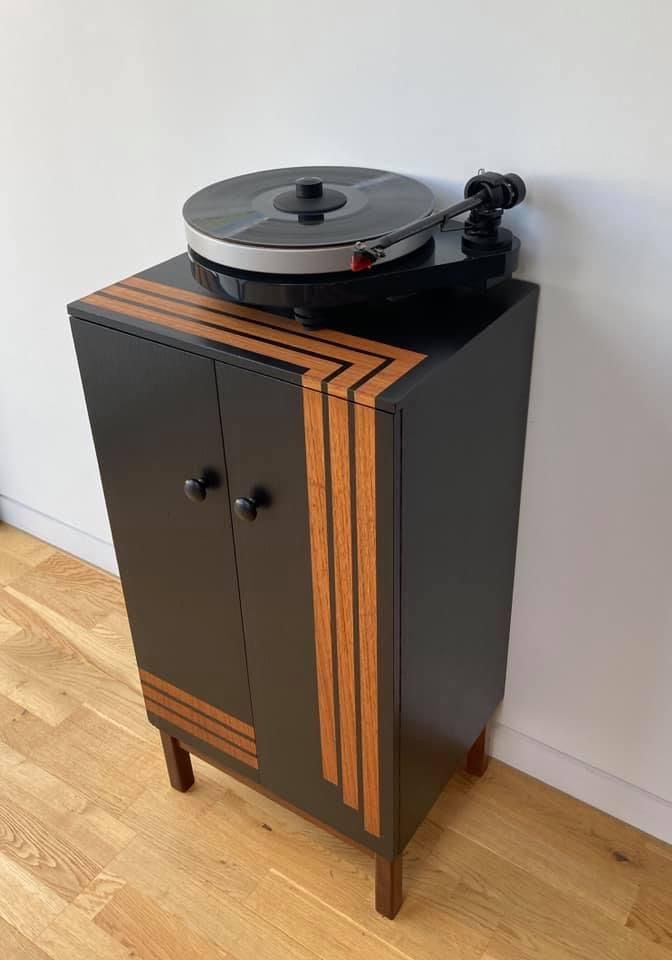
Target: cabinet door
{"type": "Point", "coordinates": [319, 648]}
{"type": "Point", "coordinates": [155, 420]}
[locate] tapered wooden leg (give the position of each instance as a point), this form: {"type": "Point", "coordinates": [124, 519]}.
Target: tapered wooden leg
{"type": "Point", "coordinates": [477, 758]}
{"type": "Point", "coordinates": [178, 763]}
{"type": "Point", "coordinates": [388, 886]}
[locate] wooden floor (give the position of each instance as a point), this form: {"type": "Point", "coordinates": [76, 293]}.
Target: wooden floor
{"type": "Point", "coordinates": [100, 859]}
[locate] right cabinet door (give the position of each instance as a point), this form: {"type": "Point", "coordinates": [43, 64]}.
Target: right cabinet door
{"type": "Point", "coordinates": [315, 569]}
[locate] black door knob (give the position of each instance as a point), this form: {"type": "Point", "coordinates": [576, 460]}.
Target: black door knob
{"type": "Point", "coordinates": [245, 508]}
{"type": "Point", "coordinates": [195, 489]}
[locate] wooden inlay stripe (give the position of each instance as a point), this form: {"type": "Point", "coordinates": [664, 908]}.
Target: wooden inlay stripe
{"type": "Point", "coordinates": [365, 487]}
{"type": "Point", "coordinates": [360, 364]}
{"type": "Point", "coordinates": [403, 361]}
{"type": "Point", "coordinates": [377, 365]}
{"type": "Point", "coordinates": [223, 745]}
{"type": "Point", "coordinates": [258, 316]}
{"type": "Point", "coordinates": [155, 696]}
{"type": "Point", "coordinates": [203, 706]}
{"type": "Point", "coordinates": [339, 457]}
{"type": "Point", "coordinates": [319, 558]}
{"type": "Point", "coordinates": [215, 303]}
{"type": "Point", "coordinates": [317, 368]}
{"type": "Point", "coordinates": [263, 316]}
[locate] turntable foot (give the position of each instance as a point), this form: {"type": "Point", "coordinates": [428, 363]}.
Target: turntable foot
{"type": "Point", "coordinates": [311, 319]}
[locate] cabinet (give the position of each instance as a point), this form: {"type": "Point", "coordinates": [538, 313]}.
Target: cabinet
{"type": "Point", "coordinates": [316, 535]}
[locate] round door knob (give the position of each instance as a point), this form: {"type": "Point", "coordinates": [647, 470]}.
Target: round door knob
{"type": "Point", "coordinates": [195, 490]}
{"type": "Point", "coordinates": [245, 508]}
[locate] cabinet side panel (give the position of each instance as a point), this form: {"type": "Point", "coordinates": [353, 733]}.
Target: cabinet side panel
{"type": "Point", "coordinates": [463, 436]}
{"type": "Point", "coordinates": [387, 601]}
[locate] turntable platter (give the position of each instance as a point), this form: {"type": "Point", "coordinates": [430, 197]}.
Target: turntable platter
{"type": "Point", "coordinates": [302, 220]}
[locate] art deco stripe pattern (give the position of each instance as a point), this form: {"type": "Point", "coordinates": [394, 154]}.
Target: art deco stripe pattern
{"type": "Point", "coordinates": [199, 718]}
{"type": "Point", "coordinates": [340, 441]}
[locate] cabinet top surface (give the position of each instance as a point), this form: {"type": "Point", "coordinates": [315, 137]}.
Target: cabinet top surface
{"type": "Point", "coordinates": [375, 356]}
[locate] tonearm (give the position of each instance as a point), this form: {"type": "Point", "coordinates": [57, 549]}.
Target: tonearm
{"type": "Point", "coordinates": [486, 196]}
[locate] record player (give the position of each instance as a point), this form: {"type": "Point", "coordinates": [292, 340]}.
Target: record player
{"type": "Point", "coordinates": [315, 239]}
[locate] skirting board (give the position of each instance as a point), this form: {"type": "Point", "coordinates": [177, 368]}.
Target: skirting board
{"type": "Point", "coordinates": [621, 799]}
{"type": "Point", "coordinates": [602, 790]}
{"type": "Point", "coordinates": [62, 535]}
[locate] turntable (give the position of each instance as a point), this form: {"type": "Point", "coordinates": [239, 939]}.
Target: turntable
{"type": "Point", "coordinates": [313, 239]}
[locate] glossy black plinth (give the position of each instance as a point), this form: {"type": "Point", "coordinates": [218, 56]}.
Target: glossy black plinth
{"type": "Point", "coordinates": [440, 263]}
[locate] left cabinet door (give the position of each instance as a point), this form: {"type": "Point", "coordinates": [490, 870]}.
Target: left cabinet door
{"type": "Point", "coordinates": [155, 419]}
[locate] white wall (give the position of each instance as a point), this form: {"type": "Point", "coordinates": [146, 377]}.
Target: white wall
{"type": "Point", "coordinates": [112, 114]}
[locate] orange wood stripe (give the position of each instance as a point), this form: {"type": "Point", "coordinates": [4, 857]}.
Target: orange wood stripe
{"type": "Point", "coordinates": [339, 456]}
{"type": "Point", "coordinates": [282, 323]}
{"type": "Point", "coordinates": [258, 315]}
{"type": "Point", "coordinates": [339, 386]}
{"type": "Point", "coordinates": [199, 719]}
{"type": "Point", "coordinates": [365, 486]}
{"type": "Point", "coordinates": [372, 346]}
{"type": "Point", "coordinates": [404, 360]}
{"type": "Point", "coordinates": [362, 364]}
{"type": "Point", "coordinates": [372, 388]}
{"type": "Point", "coordinates": [319, 558]}
{"type": "Point", "coordinates": [202, 734]}
{"type": "Point", "coordinates": [317, 368]}
{"type": "Point", "coordinates": [215, 303]}
{"type": "Point", "coordinates": [201, 705]}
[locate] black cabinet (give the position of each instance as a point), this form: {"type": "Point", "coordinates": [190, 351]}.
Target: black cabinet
{"type": "Point", "coordinates": [316, 535]}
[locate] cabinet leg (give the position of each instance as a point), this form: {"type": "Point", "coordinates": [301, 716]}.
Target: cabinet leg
{"type": "Point", "coordinates": [178, 763]}
{"type": "Point", "coordinates": [388, 886]}
{"type": "Point", "coordinates": [477, 758]}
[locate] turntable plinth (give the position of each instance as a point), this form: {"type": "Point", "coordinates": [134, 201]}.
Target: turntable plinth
{"type": "Point", "coordinates": [316, 536]}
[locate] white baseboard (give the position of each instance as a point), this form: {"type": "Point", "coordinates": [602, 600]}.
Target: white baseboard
{"type": "Point", "coordinates": [62, 535]}
{"type": "Point", "coordinates": [617, 797]}
{"type": "Point", "coordinates": [602, 790]}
